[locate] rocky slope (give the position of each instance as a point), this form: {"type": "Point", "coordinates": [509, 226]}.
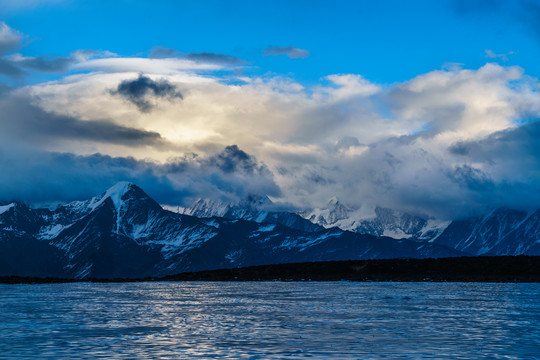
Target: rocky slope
{"type": "Point", "coordinates": [501, 232]}
{"type": "Point", "coordinates": [124, 233]}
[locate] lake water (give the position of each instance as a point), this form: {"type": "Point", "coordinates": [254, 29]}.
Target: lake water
{"type": "Point", "coordinates": [267, 320]}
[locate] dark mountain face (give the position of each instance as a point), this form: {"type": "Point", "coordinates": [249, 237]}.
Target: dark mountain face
{"type": "Point", "coordinates": [124, 233]}
{"type": "Point", "coordinates": [96, 246]}
{"type": "Point", "coordinates": [20, 217]}
{"type": "Point", "coordinates": [23, 255]}
{"type": "Point", "coordinates": [501, 232]}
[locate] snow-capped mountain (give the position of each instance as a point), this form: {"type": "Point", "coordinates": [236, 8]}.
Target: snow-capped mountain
{"type": "Point", "coordinates": [254, 208]}
{"type": "Point", "coordinates": [377, 221]}
{"type": "Point", "coordinates": [500, 232]}
{"type": "Point", "coordinates": [124, 233]}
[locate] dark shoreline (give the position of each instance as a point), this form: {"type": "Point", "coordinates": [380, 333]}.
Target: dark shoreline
{"type": "Point", "coordinates": [463, 269]}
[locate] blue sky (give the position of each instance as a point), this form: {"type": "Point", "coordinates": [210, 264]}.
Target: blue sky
{"type": "Point", "coordinates": [423, 106]}
{"type": "Point", "coordinates": [385, 41]}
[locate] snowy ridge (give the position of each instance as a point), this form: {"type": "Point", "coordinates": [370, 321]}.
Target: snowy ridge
{"type": "Point", "coordinates": [115, 193]}
{"type": "Point", "coordinates": [500, 232]}
{"type": "Point", "coordinates": [203, 208]}
{"type": "Point", "coordinates": [376, 221]}
{"type": "Point", "coordinates": [48, 232]}
{"type": "Point", "coordinates": [433, 229]}
{"type": "Point", "coordinates": [303, 243]}
{"type": "Point", "coordinates": [124, 233]}
{"type": "Point", "coordinates": [253, 208]}
{"type": "Point", "coordinates": [6, 208]}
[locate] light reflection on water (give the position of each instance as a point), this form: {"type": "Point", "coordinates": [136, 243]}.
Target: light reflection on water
{"type": "Point", "coordinates": [262, 320]}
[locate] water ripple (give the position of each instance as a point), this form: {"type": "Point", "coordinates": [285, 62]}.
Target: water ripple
{"type": "Point", "coordinates": [270, 320]}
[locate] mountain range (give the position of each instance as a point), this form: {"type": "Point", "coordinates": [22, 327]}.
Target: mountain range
{"type": "Point", "coordinates": [501, 231]}
{"type": "Point", "coordinates": [123, 233]}
{"type": "Point", "coordinates": [377, 221]}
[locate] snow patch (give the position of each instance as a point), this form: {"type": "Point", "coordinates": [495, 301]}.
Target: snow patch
{"type": "Point", "coordinates": [188, 238]}
{"type": "Point", "coordinates": [433, 229]}
{"type": "Point", "coordinates": [115, 193]}
{"type": "Point", "coordinates": [395, 233]}
{"type": "Point", "coordinates": [5, 208]}
{"type": "Point", "coordinates": [260, 218]}
{"type": "Point", "coordinates": [52, 231]}
{"type": "Point", "coordinates": [202, 208]}
{"type": "Point", "coordinates": [233, 256]}
{"type": "Point", "coordinates": [303, 242]}
{"type": "Point", "coordinates": [84, 271]}
{"type": "Point", "coordinates": [267, 228]}
{"type": "Point", "coordinates": [212, 223]}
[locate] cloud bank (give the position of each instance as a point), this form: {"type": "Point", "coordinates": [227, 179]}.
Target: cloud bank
{"type": "Point", "coordinates": [447, 143]}
{"type": "Point", "coordinates": [48, 177]}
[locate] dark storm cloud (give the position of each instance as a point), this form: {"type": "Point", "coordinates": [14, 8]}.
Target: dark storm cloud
{"type": "Point", "coordinates": [7, 45]}
{"type": "Point", "coordinates": [44, 64]}
{"type": "Point", "coordinates": [99, 131]}
{"type": "Point", "coordinates": [15, 67]}
{"type": "Point", "coordinates": [56, 177]}
{"type": "Point", "coordinates": [459, 149]}
{"type": "Point", "coordinates": [518, 146]}
{"type": "Point", "coordinates": [507, 171]}
{"type": "Point", "coordinates": [139, 91]}
{"type": "Point", "coordinates": [10, 39]}
{"type": "Point", "coordinates": [230, 174]}
{"type": "Point", "coordinates": [49, 177]}
{"type": "Point", "coordinates": [474, 179]}
{"type": "Point", "coordinates": [347, 142]}
{"type": "Point", "coordinates": [160, 52]}
{"type": "Point", "coordinates": [232, 159]}
{"type": "Point", "coordinates": [290, 51]}
{"type": "Point", "coordinates": [207, 57]}
{"type": "Point", "coordinates": [23, 121]}
{"type": "Point", "coordinates": [9, 68]}
{"type": "Point", "coordinates": [5, 90]}
{"type": "Point", "coordinates": [318, 179]}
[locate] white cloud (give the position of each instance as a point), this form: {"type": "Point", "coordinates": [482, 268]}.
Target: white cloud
{"type": "Point", "coordinates": [168, 66]}
{"type": "Point", "coordinates": [464, 104]}
{"type": "Point", "coordinates": [492, 55]}
{"type": "Point", "coordinates": [367, 144]}
{"type": "Point", "coordinates": [10, 39]}
{"type": "Point", "coordinates": [347, 87]}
